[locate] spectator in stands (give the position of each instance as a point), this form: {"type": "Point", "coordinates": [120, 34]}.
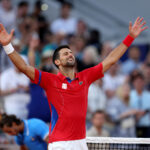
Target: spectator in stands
{"type": "Point", "coordinates": [95, 40]}
{"type": "Point", "coordinates": [112, 80]}
{"type": "Point", "coordinates": [147, 76]}
{"type": "Point", "coordinates": [14, 87]}
{"type": "Point", "coordinates": [145, 68]}
{"type": "Point", "coordinates": [43, 25]}
{"type": "Point", "coordinates": [37, 12]}
{"type": "Point", "coordinates": [79, 45]}
{"type": "Point", "coordinates": [47, 62]}
{"type": "Point", "coordinates": [22, 13]}
{"type": "Point", "coordinates": [89, 58]}
{"type": "Point", "coordinates": [7, 14]}
{"type": "Point", "coordinates": [81, 30]}
{"type": "Point", "coordinates": [133, 62]}
{"type": "Point", "coordinates": [5, 63]}
{"type": "Point", "coordinates": [8, 18]}
{"type": "Point", "coordinates": [121, 115]}
{"type": "Point", "coordinates": [33, 51]}
{"type": "Point", "coordinates": [65, 23]}
{"type": "Point", "coordinates": [96, 100]}
{"type": "Point", "coordinates": [29, 134]}
{"type": "Point", "coordinates": [96, 97]}
{"type": "Point", "coordinates": [107, 47]}
{"type": "Point", "coordinates": [22, 10]}
{"type": "Point", "coordinates": [140, 99]}
{"type": "Point", "coordinates": [97, 129]}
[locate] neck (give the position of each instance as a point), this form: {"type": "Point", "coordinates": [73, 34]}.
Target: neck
{"type": "Point", "coordinates": [99, 129]}
{"type": "Point", "coordinates": [21, 127]}
{"type": "Point", "coordinates": [139, 91]}
{"type": "Point", "coordinates": [68, 72]}
{"type": "Point", "coordinates": [126, 100]}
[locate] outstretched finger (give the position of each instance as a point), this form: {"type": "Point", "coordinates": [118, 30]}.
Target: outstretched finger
{"type": "Point", "coordinates": [12, 33]}
{"type": "Point", "coordinates": [138, 18]}
{"type": "Point", "coordinates": [1, 27]}
{"type": "Point", "coordinates": [141, 20]}
{"type": "Point", "coordinates": [130, 25]}
{"type": "Point", "coordinates": [143, 23]}
{"type": "Point", "coordinates": [144, 28]}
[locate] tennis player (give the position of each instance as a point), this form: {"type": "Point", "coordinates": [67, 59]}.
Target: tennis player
{"type": "Point", "coordinates": [29, 134]}
{"type": "Point", "coordinates": [67, 91]}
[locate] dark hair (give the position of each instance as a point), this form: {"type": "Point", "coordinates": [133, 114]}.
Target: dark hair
{"type": "Point", "coordinates": [56, 53]}
{"type": "Point", "coordinates": [23, 3]}
{"type": "Point", "coordinates": [67, 3]}
{"type": "Point", "coordinates": [8, 120]}
{"type": "Point", "coordinates": [98, 112]}
{"type": "Point", "coordinates": [136, 75]}
{"type": "Point", "coordinates": [38, 4]}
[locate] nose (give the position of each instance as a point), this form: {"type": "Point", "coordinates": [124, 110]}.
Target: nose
{"type": "Point", "coordinates": [70, 55]}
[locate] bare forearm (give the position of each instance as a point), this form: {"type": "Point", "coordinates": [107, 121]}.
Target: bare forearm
{"type": "Point", "coordinates": [21, 65]}
{"type": "Point", "coordinates": [127, 114]}
{"type": "Point", "coordinates": [18, 61]}
{"type": "Point", "coordinates": [117, 53]}
{"type": "Point", "coordinates": [114, 56]}
{"type": "Point", "coordinates": [8, 92]}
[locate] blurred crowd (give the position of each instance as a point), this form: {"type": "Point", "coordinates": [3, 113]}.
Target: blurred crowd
{"type": "Point", "coordinates": [118, 104]}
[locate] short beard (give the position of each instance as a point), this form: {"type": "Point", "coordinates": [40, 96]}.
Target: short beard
{"type": "Point", "coordinates": [70, 65]}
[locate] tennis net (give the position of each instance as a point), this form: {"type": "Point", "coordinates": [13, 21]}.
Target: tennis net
{"type": "Point", "coordinates": [101, 143]}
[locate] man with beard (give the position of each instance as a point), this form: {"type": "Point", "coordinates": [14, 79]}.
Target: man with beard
{"type": "Point", "coordinates": [29, 134]}
{"type": "Point", "coordinates": [67, 91]}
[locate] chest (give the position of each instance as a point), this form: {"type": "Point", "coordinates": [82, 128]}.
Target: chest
{"type": "Point", "coordinates": [142, 101]}
{"type": "Point", "coordinates": [67, 86]}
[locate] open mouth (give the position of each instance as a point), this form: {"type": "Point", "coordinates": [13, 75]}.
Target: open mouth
{"type": "Point", "coordinates": [70, 59]}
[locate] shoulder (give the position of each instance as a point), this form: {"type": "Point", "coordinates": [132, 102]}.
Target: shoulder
{"type": "Point", "coordinates": [34, 124]}
{"type": "Point", "coordinates": [48, 75]}
{"type": "Point", "coordinates": [73, 20]}
{"type": "Point", "coordinates": [34, 121]}
{"type": "Point", "coordinates": [146, 93]}
{"type": "Point", "coordinates": [92, 132]}
{"type": "Point", "coordinates": [57, 21]}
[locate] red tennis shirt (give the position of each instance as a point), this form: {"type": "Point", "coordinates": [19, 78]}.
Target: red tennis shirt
{"type": "Point", "coordinates": [68, 102]}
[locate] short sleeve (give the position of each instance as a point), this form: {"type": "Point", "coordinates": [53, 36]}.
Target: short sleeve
{"type": "Point", "coordinates": [42, 78]}
{"type": "Point", "coordinates": [94, 73]}
{"type": "Point", "coordinates": [19, 140]}
{"type": "Point", "coordinates": [37, 77]}
{"type": "Point", "coordinates": [41, 132]}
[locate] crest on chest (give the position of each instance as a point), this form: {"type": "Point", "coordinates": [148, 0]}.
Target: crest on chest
{"type": "Point", "coordinates": [64, 86]}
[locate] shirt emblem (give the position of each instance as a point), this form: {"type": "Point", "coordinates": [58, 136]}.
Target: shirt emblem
{"type": "Point", "coordinates": [32, 139]}
{"type": "Point", "coordinates": [81, 82]}
{"type": "Point", "coordinates": [64, 86]}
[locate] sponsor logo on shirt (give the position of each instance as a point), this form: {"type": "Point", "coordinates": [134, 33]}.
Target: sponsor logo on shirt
{"type": "Point", "coordinates": [64, 86]}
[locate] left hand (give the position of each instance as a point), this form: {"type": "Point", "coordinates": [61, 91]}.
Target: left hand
{"type": "Point", "coordinates": [137, 27]}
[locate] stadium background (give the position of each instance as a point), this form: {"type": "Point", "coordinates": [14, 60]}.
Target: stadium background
{"type": "Point", "coordinates": [98, 27]}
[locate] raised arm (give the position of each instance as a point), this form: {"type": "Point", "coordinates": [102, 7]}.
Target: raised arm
{"type": "Point", "coordinates": [5, 40]}
{"type": "Point", "coordinates": [115, 55]}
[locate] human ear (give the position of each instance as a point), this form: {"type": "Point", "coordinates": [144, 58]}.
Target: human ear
{"type": "Point", "coordinates": [57, 62]}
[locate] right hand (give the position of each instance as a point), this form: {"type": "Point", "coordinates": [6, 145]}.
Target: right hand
{"type": "Point", "coordinates": [5, 38]}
